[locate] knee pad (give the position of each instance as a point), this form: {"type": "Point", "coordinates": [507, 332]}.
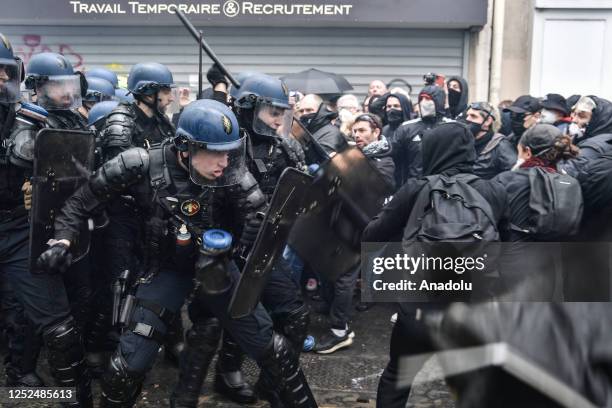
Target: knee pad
{"type": "Point", "coordinates": [294, 325]}
{"type": "Point", "coordinates": [120, 386]}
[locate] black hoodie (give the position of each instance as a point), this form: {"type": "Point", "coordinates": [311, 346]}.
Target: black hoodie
{"type": "Point", "coordinates": [462, 104]}
{"type": "Point", "coordinates": [447, 149]}
{"type": "Point", "coordinates": [597, 139]}
{"type": "Point", "coordinates": [390, 128]}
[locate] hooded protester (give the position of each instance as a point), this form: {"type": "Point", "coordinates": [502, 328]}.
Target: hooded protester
{"type": "Point", "coordinates": [496, 153]}
{"type": "Point", "coordinates": [555, 112]}
{"type": "Point", "coordinates": [447, 149]}
{"type": "Point", "coordinates": [398, 109]}
{"type": "Point", "coordinates": [591, 130]}
{"type": "Point", "coordinates": [320, 124]}
{"type": "Point", "coordinates": [523, 264]}
{"type": "Point", "coordinates": [524, 113]}
{"type": "Point", "coordinates": [406, 142]}
{"type": "Point", "coordinates": [458, 95]}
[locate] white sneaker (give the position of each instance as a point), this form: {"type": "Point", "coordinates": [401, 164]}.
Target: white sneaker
{"type": "Point", "coordinates": [393, 318]}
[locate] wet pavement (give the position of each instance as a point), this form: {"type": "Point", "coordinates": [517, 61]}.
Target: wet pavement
{"type": "Point", "coordinates": [347, 378]}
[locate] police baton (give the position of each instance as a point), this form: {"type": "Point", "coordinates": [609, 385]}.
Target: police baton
{"type": "Point", "coordinates": [196, 35]}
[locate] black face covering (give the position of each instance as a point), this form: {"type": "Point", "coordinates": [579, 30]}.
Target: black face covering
{"type": "Point", "coordinates": [454, 97]}
{"type": "Point", "coordinates": [517, 121]}
{"type": "Point", "coordinates": [475, 128]}
{"type": "Point", "coordinates": [306, 119]}
{"type": "Point", "coordinates": [394, 116]}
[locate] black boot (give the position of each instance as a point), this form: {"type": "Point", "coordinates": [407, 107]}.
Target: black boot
{"type": "Point", "coordinates": [229, 380]}
{"type": "Point", "coordinates": [202, 341]}
{"type": "Point", "coordinates": [66, 356]}
{"type": "Point", "coordinates": [120, 387]}
{"type": "Point", "coordinates": [23, 356]}
{"type": "Point", "coordinates": [282, 367]}
{"type": "Point", "coordinates": [174, 341]}
{"type": "Point", "coordinates": [294, 326]}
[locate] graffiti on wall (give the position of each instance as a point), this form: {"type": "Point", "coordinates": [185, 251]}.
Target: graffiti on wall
{"type": "Point", "coordinates": [34, 44]}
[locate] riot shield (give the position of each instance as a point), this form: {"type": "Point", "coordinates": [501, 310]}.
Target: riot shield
{"type": "Point", "coordinates": [348, 191]}
{"type": "Point", "coordinates": [63, 160]}
{"type": "Point", "coordinates": [286, 204]}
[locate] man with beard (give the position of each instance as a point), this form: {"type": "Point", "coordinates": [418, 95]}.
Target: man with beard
{"type": "Point", "coordinates": [406, 143]}
{"type": "Point", "coordinates": [458, 95]}
{"type": "Point", "coordinates": [496, 153]}
{"type": "Point", "coordinates": [524, 113]}
{"type": "Point", "coordinates": [591, 130]}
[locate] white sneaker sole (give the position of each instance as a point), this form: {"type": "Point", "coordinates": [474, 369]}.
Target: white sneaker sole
{"type": "Point", "coordinates": [337, 347]}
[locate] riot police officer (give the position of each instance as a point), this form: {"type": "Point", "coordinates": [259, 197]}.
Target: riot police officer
{"type": "Point", "coordinates": [44, 297]}
{"type": "Point", "coordinates": [24, 343]}
{"type": "Point", "coordinates": [141, 123]}
{"type": "Point", "coordinates": [167, 184]}
{"type": "Point", "coordinates": [58, 88]}
{"type": "Point", "coordinates": [263, 111]}
{"type": "Point", "coordinates": [98, 90]}
{"type": "Point", "coordinates": [105, 74]}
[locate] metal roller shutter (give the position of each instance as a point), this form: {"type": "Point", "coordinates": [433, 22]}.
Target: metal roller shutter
{"type": "Point", "coordinates": [360, 54]}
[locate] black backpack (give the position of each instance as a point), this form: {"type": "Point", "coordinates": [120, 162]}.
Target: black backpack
{"type": "Point", "coordinates": [556, 204]}
{"type": "Point", "coordinates": [448, 209]}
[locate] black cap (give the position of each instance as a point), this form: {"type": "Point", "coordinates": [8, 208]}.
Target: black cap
{"type": "Point", "coordinates": [555, 102]}
{"type": "Point", "coordinates": [540, 137]}
{"type": "Point", "coordinates": [524, 104]}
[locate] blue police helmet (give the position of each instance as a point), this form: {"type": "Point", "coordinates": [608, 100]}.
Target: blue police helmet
{"type": "Point", "coordinates": [103, 73]}
{"type": "Point", "coordinates": [148, 78]}
{"type": "Point", "coordinates": [98, 89]}
{"type": "Point", "coordinates": [100, 111]}
{"type": "Point", "coordinates": [262, 88]}
{"type": "Point", "coordinates": [6, 51]}
{"type": "Point", "coordinates": [241, 77]}
{"type": "Point", "coordinates": [209, 123]}
{"type": "Point", "coordinates": [124, 95]}
{"type": "Point", "coordinates": [49, 64]}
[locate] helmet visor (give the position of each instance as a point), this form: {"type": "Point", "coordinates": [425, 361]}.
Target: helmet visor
{"type": "Point", "coordinates": [217, 165]}
{"type": "Point", "coordinates": [9, 81]}
{"type": "Point", "coordinates": [272, 120]}
{"type": "Point", "coordinates": [59, 92]}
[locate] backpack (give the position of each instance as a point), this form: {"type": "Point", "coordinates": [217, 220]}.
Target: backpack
{"type": "Point", "coordinates": [556, 204]}
{"type": "Point", "coordinates": [448, 209]}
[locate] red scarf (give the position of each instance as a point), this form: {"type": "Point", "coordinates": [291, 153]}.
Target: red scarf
{"type": "Point", "coordinates": [539, 162]}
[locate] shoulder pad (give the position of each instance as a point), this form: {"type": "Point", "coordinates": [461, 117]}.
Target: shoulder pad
{"type": "Point", "coordinates": [119, 126]}
{"type": "Point", "coordinates": [120, 172]}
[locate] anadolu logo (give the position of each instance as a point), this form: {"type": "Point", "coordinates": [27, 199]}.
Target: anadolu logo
{"type": "Point", "coordinates": [231, 8]}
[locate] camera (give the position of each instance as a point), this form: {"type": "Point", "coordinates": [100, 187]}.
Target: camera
{"type": "Point", "coordinates": [430, 78]}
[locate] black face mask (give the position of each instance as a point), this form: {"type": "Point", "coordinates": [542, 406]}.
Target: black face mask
{"type": "Point", "coordinates": [517, 121]}
{"type": "Point", "coordinates": [394, 116]}
{"type": "Point", "coordinates": [306, 119]}
{"type": "Point", "coordinates": [475, 128]}
{"type": "Point", "coordinates": [453, 97]}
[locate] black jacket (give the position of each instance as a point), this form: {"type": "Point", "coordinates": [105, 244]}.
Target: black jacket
{"type": "Point", "coordinates": [163, 191]}
{"type": "Point", "coordinates": [496, 154]}
{"type": "Point", "coordinates": [449, 152]}
{"type": "Point", "coordinates": [324, 132]}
